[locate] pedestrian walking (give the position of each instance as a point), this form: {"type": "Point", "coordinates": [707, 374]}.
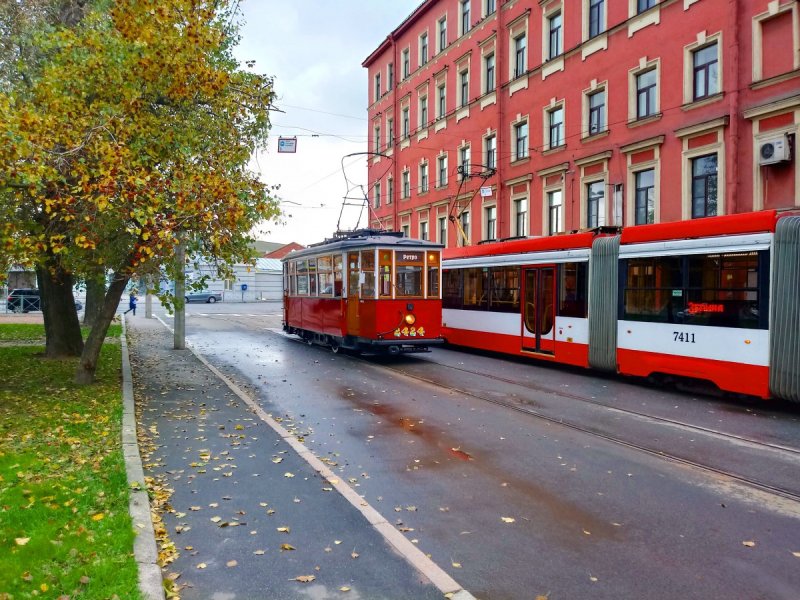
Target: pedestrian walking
{"type": "Point", "coordinates": [132, 305]}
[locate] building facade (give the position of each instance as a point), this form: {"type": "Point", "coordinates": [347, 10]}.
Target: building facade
{"type": "Point", "coordinates": [492, 119]}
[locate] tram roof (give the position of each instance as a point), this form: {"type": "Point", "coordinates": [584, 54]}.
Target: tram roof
{"type": "Point", "coordinates": [363, 239]}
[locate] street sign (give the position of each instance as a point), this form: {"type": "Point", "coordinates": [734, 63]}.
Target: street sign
{"type": "Point", "coordinates": [286, 144]}
{"type": "Point", "coordinates": [486, 192]}
{"type": "Point", "coordinates": [244, 287]}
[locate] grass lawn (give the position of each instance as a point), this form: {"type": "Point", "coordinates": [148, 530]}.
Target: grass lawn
{"type": "Point", "coordinates": [32, 332]}
{"type": "Point", "coordinates": [65, 531]}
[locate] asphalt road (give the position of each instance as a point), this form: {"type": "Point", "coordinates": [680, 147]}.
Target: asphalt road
{"type": "Point", "coordinates": [523, 481]}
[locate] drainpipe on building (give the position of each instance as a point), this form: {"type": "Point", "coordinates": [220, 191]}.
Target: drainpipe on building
{"type": "Point", "coordinates": [733, 152]}
{"type": "Point", "coordinates": [501, 113]}
{"type": "Point", "coordinates": [395, 121]}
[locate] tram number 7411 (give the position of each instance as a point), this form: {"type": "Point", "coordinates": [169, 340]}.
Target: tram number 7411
{"type": "Point", "coordinates": [679, 336]}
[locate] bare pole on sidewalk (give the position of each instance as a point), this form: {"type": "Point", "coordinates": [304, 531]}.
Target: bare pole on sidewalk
{"type": "Point", "coordinates": [148, 299]}
{"type": "Point", "coordinates": [180, 294]}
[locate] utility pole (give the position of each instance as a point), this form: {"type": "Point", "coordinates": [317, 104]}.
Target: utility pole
{"type": "Point", "coordinates": [148, 299]}
{"type": "Point", "coordinates": [180, 294]}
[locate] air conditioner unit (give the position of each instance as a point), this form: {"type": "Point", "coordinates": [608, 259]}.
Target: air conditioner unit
{"type": "Point", "coordinates": [773, 151]}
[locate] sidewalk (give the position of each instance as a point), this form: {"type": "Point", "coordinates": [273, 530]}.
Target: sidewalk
{"type": "Point", "coordinates": [251, 518]}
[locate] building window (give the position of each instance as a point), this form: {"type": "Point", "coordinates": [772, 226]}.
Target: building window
{"type": "Point", "coordinates": [377, 87]}
{"type": "Point", "coordinates": [377, 138]}
{"type": "Point", "coordinates": [555, 214]}
{"type": "Point", "coordinates": [595, 204]}
{"type": "Point", "coordinates": [646, 93]}
{"type": "Point", "coordinates": [705, 62]}
{"type": "Point", "coordinates": [490, 215]}
{"type": "Point", "coordinates": [442, 33]}
{"type": "Point", "coordinates": [406, 63]}
{"type": "Point", "coordinates": [465, 24]}
{"type": "Point", "coordinates": [489, 7]}
{"type": "Point", "coordinates": [423, 178]}
{"type": "Point", "coordinates": [406, 231]}
{"type": "Point", "coordinates": [377, 194]}
{"type": "Point", "coordinates": [442, 91]}
{"type": "Point", "coordinates": [554, 39]}
{"type": "Point", "coordinates": [555, 125]}
{"type": "Point", "coordinates": [704, 186]}
{"type": "Point", "coordinates": [406, 184]}
{"type": "Point", "coordinates": [406, 123]}
{"type": "Point", "coordinates": [520, 140]}
{"type": "Point", "coordinates": [491, 152]}
{"type": "Point", "coordinates": [597, 112]}
{"type": "Point", "coordinates": [464, 218]}
{"type": "Point", "coordinates": [521, 217]}
{"type": "Point", "coordinates": [645, 202]}
{"type": "Point", "coordinates": [488, 72]}
{"type": "Point", "coordinates": [423, 230]}
{"type": "Point", "coordinates": [389, 133]}
{"type": "Point", "coordinates": [520, 43]}
{"type": "Point", "coordinates": [390, 76]}
{"type": "Point", "coordinates": [442, 168]}
{"type": "Point", "coordinates": [389, 190]}
{"type": "Point", "coordinates": [596, 22]}
{"type": "Point", "coordinates": [464, 77]}
{"type": "Point", "coordinates": [643, 5]}
{"type": "Point", "coordinates": [464, 161]}
{"type": "Point", "coordinates": [442, 230]}
{"type": "Point", "coordinates": [423, 49]}
{"type": "Point", "coordinates": [423, 111]}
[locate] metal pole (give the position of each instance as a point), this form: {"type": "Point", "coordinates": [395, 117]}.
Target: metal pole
{"type": "Point", "coordinates": [148, 299]}
{"type": "Point", "coordinates": [180, 293]}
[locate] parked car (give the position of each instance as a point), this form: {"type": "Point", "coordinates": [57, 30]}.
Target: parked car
{"type": "Point", "coordinates": [23, 300]}
{"type": "Point", "coordinates": [204, 296]}
{"type": "Point", "coordinates": [28, 299]}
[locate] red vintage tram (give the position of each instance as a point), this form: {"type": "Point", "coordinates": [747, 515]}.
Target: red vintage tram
{"type": "Point", "coordinates": [367, 290]}
{"type": "Point", "coordinates": [715, 299]}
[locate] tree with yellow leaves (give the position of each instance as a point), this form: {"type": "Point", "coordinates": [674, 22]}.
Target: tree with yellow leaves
{"type": "Point", "coordinates": [125, 131]}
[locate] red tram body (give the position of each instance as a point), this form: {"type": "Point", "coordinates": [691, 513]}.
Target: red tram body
{"type": "Point", "coordinates": [716, 299]}
{"type": "Point", "coordinates": [368, 290]}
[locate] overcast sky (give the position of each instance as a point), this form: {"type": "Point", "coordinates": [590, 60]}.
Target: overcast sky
{"type": "Point", "coordinates": [314, 49]}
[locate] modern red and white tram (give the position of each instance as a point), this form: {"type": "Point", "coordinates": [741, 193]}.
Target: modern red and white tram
{"type": "Point", "coordinates": [367, 290]}
{"type": "Point", "coordinates": [716, 299]}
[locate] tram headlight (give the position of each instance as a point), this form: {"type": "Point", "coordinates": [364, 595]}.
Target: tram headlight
{"type": "Point", "coordinates": [410, 319]}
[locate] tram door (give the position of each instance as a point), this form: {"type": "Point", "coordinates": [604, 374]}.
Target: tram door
{"type": "Point", "coordinates": [353, 297]}
{"type": "Point", "coordinates": [538, 309]}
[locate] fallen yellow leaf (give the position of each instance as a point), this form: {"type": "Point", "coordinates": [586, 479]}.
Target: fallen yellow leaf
{"type": "Point", "coordinates": [216, 519]}
{"type": "Point", "coordinates": [98, 517]}
{"type": "Point", "coordinates": [354, 554]}
{"type": "Point", "coordinates": [22, 541]}
{"type": "Point", "coordinates": [456, 565]}
{"type": "Point", "coordinates": [304, 578]}
{"type": "Point", "coordinates": [344, 588]}
{"type": "Point", "coordinates": [290, 475]}
{"type": "Point", "coordinates": [749, 544]}
{"type": "Point", "coordinates": [258, 552]}
{"type": "Point", "coordinates": [283, 529]}
{"type": "Point", "coordinates": [231, 563]}
{"type": "Point", "coordinates": [287, 547]}
{"type": "Point", "coordinates": [201, 566]}
{"type": "Point", "coordinates": [796, 554]}
{"type": "Point", "coordinates": [508, 519]}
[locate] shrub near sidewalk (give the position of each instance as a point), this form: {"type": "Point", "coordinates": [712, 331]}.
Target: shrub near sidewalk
{"type": "Point", "coordinates": [65, 531]}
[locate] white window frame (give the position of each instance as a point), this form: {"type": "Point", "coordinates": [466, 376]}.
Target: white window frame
{"type": "Point", "coordinates": [594, 88]}
{"type": "Point", "coordinates": [441, 161]}
{"type": "Point", "coordinates": [548, 110]}
{"type": "Point", "coordinates": [774, 9]}
{"type": "Point", "coordinates": [633, 88]}
{"type": "Point", "coordinates": [405, 192]}
{"type": "Point", "coordinates": [405, 58]}
{"type": "Point", "coordinates": [423, 49]}
{"type": "Point", "coordinates": [464, 26]}
{"type": "Point", "coordinates": [518, 122]}
{"type": "Point", "coordinates": [424, 178]}
{"type": "Point", "coordinates": [547, 16]}
{"type": "Point", "coordinates": [441, 28]}
{"type": "Point", "coordinates": [491, 136]}
{"type": "Point", "coordinates": [702, 41]}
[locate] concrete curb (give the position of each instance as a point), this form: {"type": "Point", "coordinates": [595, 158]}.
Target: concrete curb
{"type": "Point", "coordinates": [413, 555]}
{"type": "Point", "coordinates": [144, 546]}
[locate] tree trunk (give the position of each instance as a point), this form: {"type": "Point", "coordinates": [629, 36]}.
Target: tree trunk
{"type": "Point", "coordinates": [61, 325]}
{"type": "Point", "coordinates": [95, 295]}
{"type": "Point", "coordinates": [91, 350]}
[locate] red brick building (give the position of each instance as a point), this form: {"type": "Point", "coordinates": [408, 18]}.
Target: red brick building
{"type": "Point", "coordinates": [533, 118]}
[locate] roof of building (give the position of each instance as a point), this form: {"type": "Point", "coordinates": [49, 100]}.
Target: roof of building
{"type": "Point", "coordinates": [284, 250]}
{"type": "Point", "coordinates": [269, 265]}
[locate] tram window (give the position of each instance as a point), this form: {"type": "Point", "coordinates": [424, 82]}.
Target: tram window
{"type": "Point", "coordinates": [433, 274]}
{"type": "Point", "coordinates": [409, 265]}
{"type": "Point", "coordinates": [504, 289]}
{"type": "Point", "coordinates": [654, 289]}
{"type": "Point", "coordinates": [302, 278]}
{"type": "Point", "coordinates": [385, 273]}
{"type": "Point", "coordinates": [352, 274]}
{"type": "Point", "coordinates": [312, 276]}
{"type": "Point", "coordinates": [452, 291]}
{"type": "Point", "coordinates": [572, 288]}
{"type": "Point", "coordinates": [367, 273]}
{"type": "Point", "coordinates": [337, 275]}
{"type": "Point", "coordinates": [325, 267]}
{"type": "Point", "coordinates": [723, 291]}
{"type": "Point", "coordinates": [476, 288]}
{"type": "Point", "coordinates": [292, 267]}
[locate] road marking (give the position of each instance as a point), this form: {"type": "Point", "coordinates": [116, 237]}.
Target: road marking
{"type": "Point", "coordinates": [413, 555]}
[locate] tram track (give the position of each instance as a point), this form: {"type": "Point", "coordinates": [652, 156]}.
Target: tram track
{"type": "Point", "coordinates": [792, 453]}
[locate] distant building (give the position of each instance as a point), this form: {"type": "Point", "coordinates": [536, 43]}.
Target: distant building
{"type": "Point", "coordinates": [531, 118]}
{"type": "Point", "coordinates": [284, 250]}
